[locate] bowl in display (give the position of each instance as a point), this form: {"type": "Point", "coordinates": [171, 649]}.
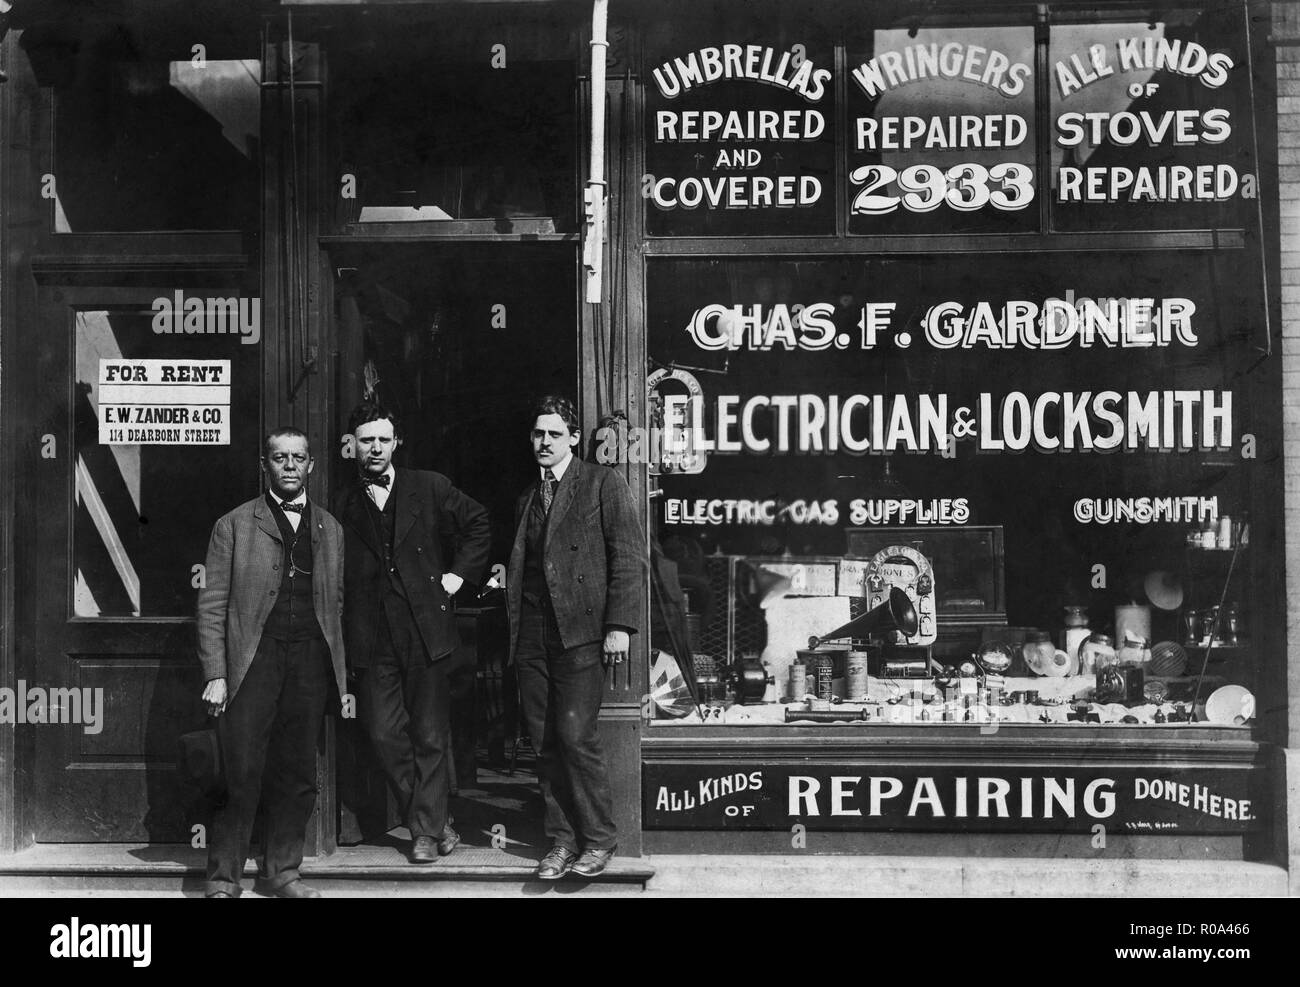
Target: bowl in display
{"type": "Point", "coordinates": [1232, 705]}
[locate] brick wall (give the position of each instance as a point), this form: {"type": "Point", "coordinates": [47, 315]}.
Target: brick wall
{"type": "Point", "coordinates": [1285, 38]}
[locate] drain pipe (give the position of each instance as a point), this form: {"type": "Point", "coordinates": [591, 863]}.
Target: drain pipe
{"type": "Point", "coordinates": [593, 198]}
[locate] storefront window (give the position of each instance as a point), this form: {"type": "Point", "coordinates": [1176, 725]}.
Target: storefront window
{"type": "Point", "coordinates": [1152, 127]}
{"type": "Point", "coordinates": [167, 434]}
{"type": "Point", "coordinates": [941, 131]}
{"type": "Point", "coordinates": [740, 128]}
{"type": "Point", "coordinates": [454, 143]}
{"type": "Point", "coordinates": [148, 141]}
{"type": "Point", "coordinates": [1020, 450]}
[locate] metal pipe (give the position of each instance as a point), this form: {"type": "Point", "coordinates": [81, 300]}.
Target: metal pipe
{"type": "Point", "coordinates": [594, 198]}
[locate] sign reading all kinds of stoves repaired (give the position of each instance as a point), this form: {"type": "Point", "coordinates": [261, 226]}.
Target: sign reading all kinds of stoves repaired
{"type": "Point", "coordinates": [1045, 798]}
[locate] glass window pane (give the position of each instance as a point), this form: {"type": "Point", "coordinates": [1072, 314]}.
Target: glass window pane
{"type": "Point", "coordinates": [143, 512]}
{"type": "Point", "coordinates": [456, 143]}
{"type": "Point", "coordinates": [146, 144]}
{"type": "Point", "coordinates": [740, 127]}
{"type": "Point", "coordinates": [1151, 123]}
{"type": "Point", "coordinates": [790, 430]}
{"type": "Point", "coordinates": [941, 131]}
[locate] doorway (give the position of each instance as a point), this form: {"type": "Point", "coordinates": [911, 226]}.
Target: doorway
{"type": "Point", "coordinates": [458, 340]}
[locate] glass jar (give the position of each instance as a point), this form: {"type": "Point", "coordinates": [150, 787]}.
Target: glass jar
{"type": "Point", "coordinates": [1076, 630]}
{"type": "Point", "coordinates": [1134, 651]}
{"type": "Point", "coordinates": [1095, 653]}
{"type": "Point", "coordinates": [995, 658]}
{"type": "Point", "coordinates": [1042, 656]}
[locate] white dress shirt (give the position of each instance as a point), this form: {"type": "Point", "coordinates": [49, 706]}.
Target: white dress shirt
{"type": "Point", "coordinates": [295, 517]}
{"type": "Point", "coordinates": [557, 470]}
{"type": "Point", "coordinates": [380, 494]}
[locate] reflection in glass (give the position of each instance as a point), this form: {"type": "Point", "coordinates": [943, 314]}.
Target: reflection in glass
{"type": "Point", "coordinates": [156, 145]}
{"type": "Point", "coordinates": [464, 144]}
{"type": "Point", "coordinates": [1150, 123]}
{"type": "Point", "coordinates": [739, 126]}
{"type": "Point", "coordinates": [941, 131]}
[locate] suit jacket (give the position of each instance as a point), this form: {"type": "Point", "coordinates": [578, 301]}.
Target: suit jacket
{"type": "Point", "coordinates": [427, 510]}
{"type": "Point", "coordinates": [594, 556]}
{"type": "Point", "coordinates": [241, 579]}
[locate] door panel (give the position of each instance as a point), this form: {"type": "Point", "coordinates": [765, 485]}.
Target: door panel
{"type": "Point", "coordinates": [117, 541]}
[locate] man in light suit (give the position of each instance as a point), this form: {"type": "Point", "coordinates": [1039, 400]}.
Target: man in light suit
{"type": "Point", "coordinates": [270, 639]}
{"type": "Point", "coordinates": [573, 592]}
{"type": "Point", "coordinates": [401, 617]}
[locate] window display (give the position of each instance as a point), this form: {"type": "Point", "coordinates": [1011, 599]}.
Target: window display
{"type": "Point", "coordinates": [1020, 495]}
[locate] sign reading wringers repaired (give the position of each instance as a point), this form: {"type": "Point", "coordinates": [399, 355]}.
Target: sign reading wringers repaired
{"type": "Point", "coordinates": [992, 798]}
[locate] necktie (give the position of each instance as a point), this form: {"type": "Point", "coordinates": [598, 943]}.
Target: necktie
{"type": "Point", "coordinates": [295, 508]}
{"type": "Point", "coordinates": [380, 481]}
{"type": "Point", "coordinates": [549, 483]}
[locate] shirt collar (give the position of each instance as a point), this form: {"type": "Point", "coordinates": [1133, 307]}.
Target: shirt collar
{"type": "Point", "coordinates": [391, 473]}
{"type": "Point", "coordinates": [280, 501]}
{"type": "Point", "coordinates": [558, 469]}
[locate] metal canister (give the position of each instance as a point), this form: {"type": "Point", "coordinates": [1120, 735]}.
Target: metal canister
{"type": "Point", "coordinates": [825, 671]}
{"type": "Point", "coordinates": [855, 675]}
{"type": "Point", "coordinates": [798, 680]}
{"type": "Point", "coordinates": [821, 673]}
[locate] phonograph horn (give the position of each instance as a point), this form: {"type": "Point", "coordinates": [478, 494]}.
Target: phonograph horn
{"type": "Point", "coordinates": [895, 614]}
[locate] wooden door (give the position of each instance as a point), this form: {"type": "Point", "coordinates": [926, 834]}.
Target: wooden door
{"type": "Point", "coordinates": [111, 551]}
{"type": "Point", "coordinates": [131, 174]}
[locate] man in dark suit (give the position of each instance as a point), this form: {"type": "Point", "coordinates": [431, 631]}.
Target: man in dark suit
{"type": "Point", "coordinates": [400, 619]}
{"type": "Point", "coordinates": [573, 592]}
{"type": "Point", "coordinates": [270, 640]}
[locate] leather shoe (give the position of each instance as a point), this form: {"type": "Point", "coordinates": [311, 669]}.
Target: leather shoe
{"type": "Point", "coordinates": [448, 841]}
{"type": "Point", "coordinates": [424, 850]}
{"type": "Point", "coordinates": [556, 863]}
{"type": "Point", "coordinates": [296, 889]}
{"type": "Point", "coordinates": [592, 862]}
{"type": "Point", "coordinates": [218, 894]}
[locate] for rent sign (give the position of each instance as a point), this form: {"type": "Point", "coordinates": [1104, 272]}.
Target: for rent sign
{"type": "Point", "coordinates": [164, 402]}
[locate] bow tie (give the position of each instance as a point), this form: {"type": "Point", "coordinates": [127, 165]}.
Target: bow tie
{"type": "Point", "coordinates": [286, 507]}
{"type": "Point", "coordinates": [380, 481]}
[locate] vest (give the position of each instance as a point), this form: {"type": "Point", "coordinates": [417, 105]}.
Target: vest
{"type": "Point", "coordinates": [384, 526]}
{"type": "Point", "coordinates": [534, 586]}
{"type": "Point", "coordinates": [293, 617]}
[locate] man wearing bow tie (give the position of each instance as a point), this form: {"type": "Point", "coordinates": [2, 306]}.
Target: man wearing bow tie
{"type": "Point", "coordinates": [573, 591]}
{"type": "Point", "coordinates": [412, 540]}
{"type": "Point", "coordinates": [270, 640]}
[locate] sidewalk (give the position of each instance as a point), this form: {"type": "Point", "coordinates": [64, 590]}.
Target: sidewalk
{"type": "Point", "coordinates": [124, 871]}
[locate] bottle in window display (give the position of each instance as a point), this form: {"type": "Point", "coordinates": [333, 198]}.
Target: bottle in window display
{"type": "Point", "coordinates": [1096, 653]}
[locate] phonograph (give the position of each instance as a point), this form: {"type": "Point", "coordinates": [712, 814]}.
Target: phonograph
{"type": "Point", "coordinates": [893, 615]}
